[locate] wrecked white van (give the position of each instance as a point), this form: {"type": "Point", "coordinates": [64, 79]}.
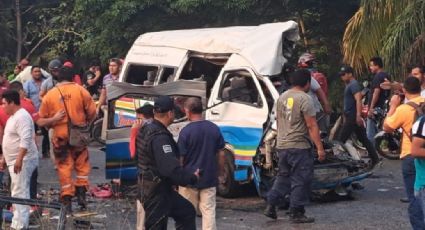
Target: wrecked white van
{"type": "Point", "coordinates": [233, 65]}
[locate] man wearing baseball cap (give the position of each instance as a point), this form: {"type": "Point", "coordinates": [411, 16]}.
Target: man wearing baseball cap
{"type": "Point", "coordinates": [352, 120]}
{"type": "Point", "coordinates": [160, 170]}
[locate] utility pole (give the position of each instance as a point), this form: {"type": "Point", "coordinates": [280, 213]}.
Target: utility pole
{"type": "Point", "coordinates": [18, 30]}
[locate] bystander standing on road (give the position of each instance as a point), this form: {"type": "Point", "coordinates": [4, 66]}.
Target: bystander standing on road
{"type": "Point", "coordinates": [352, 120]}
{"type": "Point", "coordinates": [403, 116]}
{"type": "Point", "coordinates": [20, 152]}
{"type": "Point", "coordinates": [80, 110]}
{"type": "Point", "coordinates": [114, 71]}
{"type": "Point", "coordinates": [376, 98]}
{"type": "Point", "coordinates": [16, 71]}
{"type": "Point", "coordinates": [200, 145]}
{"type": "Point", "coordinates": [144, 115]}
{"type": "Point", "coordinates": [92, 79]}
{"type": "Point", "coordinates": [418, 151]}
{"type": "Point", "coordinates": [160, 170]}
{"type": "Point", "coordinates": [318, 91]}
{"type": "Point", "coordinates": [32, 90]}
{"type": "Point", "coordinates": [25, 73]}
{"type": "Point", "coordinates": [296, 119]}
{"type": "Point", "coordinates": [48, 84]}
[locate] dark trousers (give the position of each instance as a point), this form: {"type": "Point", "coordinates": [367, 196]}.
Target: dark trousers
{"type": "Point", "coordinates": [33, 184]}
{"type": "Point", "coordinates": [294, 178]}
{"type": "Point", "coordinates": [45, 146]}
{"type": "Point", "coordinates": [349, 126]}
{"type": "Point", "coordinates": [414, 209]}
{"type": "Point", "coordinates": [170, 204]}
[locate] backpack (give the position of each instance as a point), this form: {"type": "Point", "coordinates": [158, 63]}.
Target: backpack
{"type": "Point", "coordinates": [419, 112]}
{"type": "Point", "coordinates": [420, 109]}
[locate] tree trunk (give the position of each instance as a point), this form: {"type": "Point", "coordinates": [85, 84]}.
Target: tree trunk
{"type": "Point", "coordinates": [18, 30]}
{"type": "Point", "coordinates": [303, 31]}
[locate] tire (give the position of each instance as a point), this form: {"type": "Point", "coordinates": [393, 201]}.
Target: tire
{"type": "Point", "coordinates": [384, 148]}
{"type": "Point", "coordinates": [227, 186]}
{"type": "Point", "coordinates": [96, 131]}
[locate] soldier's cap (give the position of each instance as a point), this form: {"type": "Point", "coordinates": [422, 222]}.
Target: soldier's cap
{"type": "Point", "coordinates": [163, 104]}
{"type": "Point", "coordinates": [345, 69]}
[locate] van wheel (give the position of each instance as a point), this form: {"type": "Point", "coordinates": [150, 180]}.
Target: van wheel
{"type": "Point", "coordinates": [227, 186]}
{"type": "Point", "coordinates": [96, 131]}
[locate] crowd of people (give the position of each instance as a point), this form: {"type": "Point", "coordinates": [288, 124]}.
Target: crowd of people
{"type": "Point", "coordinates": [179, 179]}
{"type": "Point", "coordinates": [50, 105]}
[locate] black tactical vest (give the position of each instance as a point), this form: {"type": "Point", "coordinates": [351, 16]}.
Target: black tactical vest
{"type": "Point", "coordinates": [146, 159]}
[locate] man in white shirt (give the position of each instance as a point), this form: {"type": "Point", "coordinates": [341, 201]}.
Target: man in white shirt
{"type": "Point", "coordinates": [20, 153]}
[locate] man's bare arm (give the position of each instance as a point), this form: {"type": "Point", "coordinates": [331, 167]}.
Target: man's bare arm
{"type": "Point", "coordinates": [324, 100]}
{"type": "Point", "coordinates": [417, 147]}
{"type": "Point", "coordinates": [313, 130]}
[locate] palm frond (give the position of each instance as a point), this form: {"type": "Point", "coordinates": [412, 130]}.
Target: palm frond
{"type": "Point", "coordinates": [365, 30]}
{"type": "Point", "coordinates": [415, 54]}
{"type": "Point", "coordinates": [403, 37]}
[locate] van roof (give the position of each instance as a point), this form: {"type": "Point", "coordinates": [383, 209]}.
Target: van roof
{"type": "Point", "coordinates": [260, 45]}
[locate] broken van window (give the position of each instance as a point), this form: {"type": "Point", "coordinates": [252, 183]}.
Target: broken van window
{"type": "Point", "coordinates": [167, 75]}
{"type": "Point", "coordinates": [141, 74]}
{"type": "Point", "coordinates": [239, 87]}
{"type": "Point", "coordinates": [201, 69]}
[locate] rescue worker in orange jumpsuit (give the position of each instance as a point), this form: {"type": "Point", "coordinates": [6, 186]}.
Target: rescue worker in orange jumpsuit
{"type": "Point", "coordinates": [80, 110]}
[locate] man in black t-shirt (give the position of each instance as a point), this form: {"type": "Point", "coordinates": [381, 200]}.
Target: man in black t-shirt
{"type": "Point", "coordinates": [92, 79]}
{"type": "Point", "coordinates": [377, 97]}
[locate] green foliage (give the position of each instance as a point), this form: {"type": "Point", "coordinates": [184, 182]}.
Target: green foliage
{"type": "Point", "coordinates": [390, 28]}
{"type": "Point", "coordinates": [86, 29]}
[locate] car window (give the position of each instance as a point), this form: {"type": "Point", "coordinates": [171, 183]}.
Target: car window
{"type": "Point", "coordinates": [141, 74]}
{"type": "Point", "coordinates": [167, 75]}
{"type": "Point", "coordinates": [240, 87]}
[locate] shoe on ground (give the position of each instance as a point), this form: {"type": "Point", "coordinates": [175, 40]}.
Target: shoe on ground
{"type": "Point", "coordinates": [404, 200]}
{"type": "Point", "coordinates": [81, 197]}
{"type": "Point", "coordinates": [301, 219]}
{"type": "Point", "coordinates": [270, 212]}
{"type": "Point", "coordinates": [67, 204]}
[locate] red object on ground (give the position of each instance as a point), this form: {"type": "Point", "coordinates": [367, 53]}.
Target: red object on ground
{"type": "Point", "coordinates": [104, 191]}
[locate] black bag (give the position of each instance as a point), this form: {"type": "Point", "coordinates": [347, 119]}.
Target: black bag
{"type": "Point", "coordinates": [78, 135]}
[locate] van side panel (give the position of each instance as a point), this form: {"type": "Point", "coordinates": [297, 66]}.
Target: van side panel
{"type": "Point", "coordinates": [244, 141]}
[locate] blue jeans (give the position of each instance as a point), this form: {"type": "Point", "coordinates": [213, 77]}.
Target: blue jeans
{"type": "Point", "coordinates": [294, 178]}
{"type": "Point", "coordinates": [414, 210]}
{"type": "Point", "coordinates": [371, 130]}
{"type": "Point", "coordinates": [420, 198]}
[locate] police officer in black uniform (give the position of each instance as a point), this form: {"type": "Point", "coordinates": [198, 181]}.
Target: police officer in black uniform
{"type": "Point", "coordinates": [160, 170]}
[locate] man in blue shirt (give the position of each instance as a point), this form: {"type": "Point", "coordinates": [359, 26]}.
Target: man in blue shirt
{"type": "Point", "coordinates": [32, 90]}
{"type": "Point", "coordinates": [199, 143]}
{"type": "Point", "coordinates": [353, 122]}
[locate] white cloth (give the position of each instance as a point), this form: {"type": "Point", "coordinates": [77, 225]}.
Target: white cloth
{"type": "Point", "coordinates": [25, 75]}
{"type": "Point", "coordinates": [19, 133]}
{"type": "Point", "coordinates": [20, 188]}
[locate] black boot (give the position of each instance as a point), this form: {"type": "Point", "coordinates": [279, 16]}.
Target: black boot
{"type": "Point", "coordinates": [67, 203]}
{"type": "Point", "coordinates": [297, 216]}
{"type": "Point", "coordinates": [270, 211]}
{"type": "Point", "coordinates": [81, 197]}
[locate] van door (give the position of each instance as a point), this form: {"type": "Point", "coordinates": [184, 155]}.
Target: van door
{"type": "Point", "coordinates": [238, 106]}
{"type": "Point", "coordinates": [123, 99]}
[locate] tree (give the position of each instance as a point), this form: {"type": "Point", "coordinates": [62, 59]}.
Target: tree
{"type": "Point", "coordinates": [392, 29]}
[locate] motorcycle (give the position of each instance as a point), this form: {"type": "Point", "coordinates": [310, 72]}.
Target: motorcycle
{"type": "Point", "coordinates": [386, 144]}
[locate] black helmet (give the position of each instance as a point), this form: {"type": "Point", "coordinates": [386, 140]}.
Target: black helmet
{"type": "Point", "coordinates": [55, 64]}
